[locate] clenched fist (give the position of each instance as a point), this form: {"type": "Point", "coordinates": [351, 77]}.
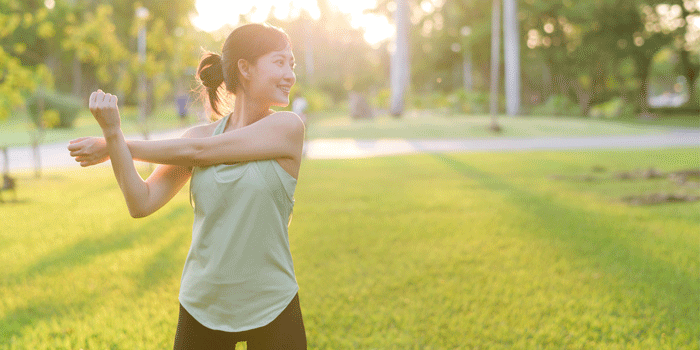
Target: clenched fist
{"type": "Point", "coordinates": [104, 108]}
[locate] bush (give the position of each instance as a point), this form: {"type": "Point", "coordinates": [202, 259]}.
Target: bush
{"type": "Point", "coordinates": [382, 99]}
{"type": "Point", "coordinates": [318, 100]}
{"type": "Point", "coordinates": [612, 109]}
{"type": "Point", "coordinates": [433, 100]}
{"type": "Point", "coordinates": [60, 110]}
{"type": "Point", "coordinates": [474, 102]}
{"type": "Point", "coordinates": [557, 105]}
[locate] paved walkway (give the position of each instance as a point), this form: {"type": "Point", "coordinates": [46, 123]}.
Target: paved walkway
{"type": "Point", "coordinates": [57, 155]}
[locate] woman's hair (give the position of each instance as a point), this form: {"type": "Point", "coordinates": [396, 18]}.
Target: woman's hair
{"type": "Point", "coordinates": [248, 42]}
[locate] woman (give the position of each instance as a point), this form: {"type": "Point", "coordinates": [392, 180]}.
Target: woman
{"type": "Point", "coordinates": [238, 282]}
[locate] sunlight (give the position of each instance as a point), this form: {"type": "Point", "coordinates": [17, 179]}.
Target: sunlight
{"type": "Point", "coordinates": [213, 14]}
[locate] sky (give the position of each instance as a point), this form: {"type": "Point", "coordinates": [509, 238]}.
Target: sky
{"type": "Point", "coordinates": [213, 14]}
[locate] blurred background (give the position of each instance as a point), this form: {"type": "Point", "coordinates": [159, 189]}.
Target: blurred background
{"type": "Point", "coordinates": [592, 59]}
{"type": "Point", "coordinates": [550, 244]}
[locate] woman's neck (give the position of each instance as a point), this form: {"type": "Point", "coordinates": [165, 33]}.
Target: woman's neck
{"type": "Point", "coordinates": [247, 111]}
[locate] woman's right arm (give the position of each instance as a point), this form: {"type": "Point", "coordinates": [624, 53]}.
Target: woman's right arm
{"type": "Point", "coordinates": [142, 197]}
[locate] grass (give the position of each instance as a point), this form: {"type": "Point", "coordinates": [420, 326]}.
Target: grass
{"type": "Point", "coordinates": [431, 251]}
{"type": "Point", "coordinates": [426, 124]}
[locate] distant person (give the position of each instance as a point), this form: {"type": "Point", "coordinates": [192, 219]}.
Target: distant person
{"type": "Point", "coordinates": [299, 106]}
{"type": "Point", "coordinates": [181, 100]}
{"type": "Point", "coordinates": [238, 282]}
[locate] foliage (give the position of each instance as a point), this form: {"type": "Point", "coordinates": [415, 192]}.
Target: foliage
{"type": "Point", "coordinates": [23, 25]}
{"type": "Point", "coordinates": [470, 102]}
{"type": "Point", "coordinates": [60, 110]}
{"type": "Point", "coordinates": [381, 99]}
{"type": "Point", "coordinates": [612, 109]}
{"type": "Point", "coordinates": [433, 100]}
{"type": "Point", "coordinates": [317, 99]}
{"type": "Point", "coordinates": [557, 105]}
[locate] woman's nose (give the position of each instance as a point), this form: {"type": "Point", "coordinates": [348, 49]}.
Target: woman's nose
{"type": "Point", "coordinates": [289, 75]}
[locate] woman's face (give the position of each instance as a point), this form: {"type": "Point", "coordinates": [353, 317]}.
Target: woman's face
{"type": "Point", "coordinates": [273, 77]}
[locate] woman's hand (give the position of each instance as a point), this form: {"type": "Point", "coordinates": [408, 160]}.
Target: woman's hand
{"type": "Point", "coordinates": [89, 150]}
{"type": "Point", "coordinates": [104, 108]}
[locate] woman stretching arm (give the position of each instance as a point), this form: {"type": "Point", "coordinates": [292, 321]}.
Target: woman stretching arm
{"type": "Point", "coordinates": [276, 136]}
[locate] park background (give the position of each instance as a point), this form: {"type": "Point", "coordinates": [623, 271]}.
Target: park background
{"type": "Point", "coordinates": [465, 249]}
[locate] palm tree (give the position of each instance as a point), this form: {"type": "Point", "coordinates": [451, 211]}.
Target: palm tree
{"type": "Point", "coordinates": [495, 62]}
{"type": "Point", "coordinates": [399, 60]}
{"type": "Point", "coordinates": [511, 51]}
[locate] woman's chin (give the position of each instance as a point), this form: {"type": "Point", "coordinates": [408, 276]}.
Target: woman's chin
{"type": "Point", "coordinates": [281, 103]}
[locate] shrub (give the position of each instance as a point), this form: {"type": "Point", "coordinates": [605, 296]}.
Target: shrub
{"type": "Point", "coordinates": [382, 98]}
{"type": "Point", "coordinates": [614, 108]}
{"type": "Point", "coordinates": [557, 105]}
{"type": "Point", "coordinates": [469, 102]}
{"type": "Point", "coordinates": [60, 110]}
{"type": "Point", "coordinates": [433, 100]}
{"type": "Point", "coordinates": [317, 99]}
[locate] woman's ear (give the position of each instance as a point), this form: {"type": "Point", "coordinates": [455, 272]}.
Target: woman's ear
{"type": "Point", "coordinates": [244, 68]}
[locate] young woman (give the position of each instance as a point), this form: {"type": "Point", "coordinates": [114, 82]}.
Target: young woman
{"type": "Point", "coordinates": [238, 282]}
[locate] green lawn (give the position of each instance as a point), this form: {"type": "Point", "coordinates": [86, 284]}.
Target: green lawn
{"type": "Point", "coordinates": [431, 251]}
{"type": "Point", "coordinates": [426, 124]}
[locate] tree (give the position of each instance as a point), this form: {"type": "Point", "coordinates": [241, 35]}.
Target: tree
{"type": "Point", "coordinates": [400, 64]}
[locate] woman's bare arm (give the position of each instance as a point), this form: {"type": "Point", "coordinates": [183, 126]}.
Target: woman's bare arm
{"type": "Point", "coordinates": [142, 197]}
{"type": "Point", "coordinates": [280, 135]}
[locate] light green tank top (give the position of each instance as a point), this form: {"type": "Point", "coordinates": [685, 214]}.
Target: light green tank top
{"type": "Point", "coordinates": [238, 274]}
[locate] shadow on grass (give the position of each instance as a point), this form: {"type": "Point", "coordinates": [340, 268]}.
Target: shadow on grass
{"type": "Point", "coordinates": [85, 250]}
{"type": "Point", "coordinates": [675, 290]}
{"type": "Point", "coordinates": [163, 264]}
{"type": "Point", "coordinates": [82, 253]}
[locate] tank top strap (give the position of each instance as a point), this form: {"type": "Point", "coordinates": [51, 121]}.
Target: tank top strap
{"type": "Point", "coordinates": [220, 128]}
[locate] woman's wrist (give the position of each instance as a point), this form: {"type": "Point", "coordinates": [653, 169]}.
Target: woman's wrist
{"type": "Point", "coordinates": [111, 132]}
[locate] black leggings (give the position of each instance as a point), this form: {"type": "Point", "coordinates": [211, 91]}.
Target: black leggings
{"type": "Point", "coordinates": [285, 332]}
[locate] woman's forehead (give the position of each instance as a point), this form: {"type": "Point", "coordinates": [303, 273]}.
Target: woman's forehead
{"type": "Point", "coordinates": [286, 53]}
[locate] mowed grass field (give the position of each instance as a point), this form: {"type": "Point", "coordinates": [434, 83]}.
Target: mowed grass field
{"type": "Point", "coordinates": [431, 251]}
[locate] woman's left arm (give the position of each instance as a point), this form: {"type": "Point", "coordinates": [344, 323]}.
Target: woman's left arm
{"type": "Point", "coordinates": [279, 135]}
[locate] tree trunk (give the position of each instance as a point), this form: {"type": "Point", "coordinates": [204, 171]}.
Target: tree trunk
{"type": "Point", "coordinates": [5, 162]}
{"type": "Point", "coordinates": [467, 75]}
{"type": "Point", "coordinates": [308, 49]}
{"type": "Point", "coordinates": [511, 50]}
{"type": "Point", "coordinates": [643, 75]}
{"type": "Point", "coordinates": [690, 71]}
{"type": "Point", "coordinates": [495, 54]}
{"type": "Point", "coordinates": [77, 78]}
{"type": "Point", "coordinates": [399, 60]}
{"type": "Point", "coordinates": [495, 62]}
{"type": "Point", "coordinates": [38, 136]}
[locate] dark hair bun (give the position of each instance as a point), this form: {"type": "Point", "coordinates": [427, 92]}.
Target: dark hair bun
{"type": "Point", "coordinates": [210, 72]}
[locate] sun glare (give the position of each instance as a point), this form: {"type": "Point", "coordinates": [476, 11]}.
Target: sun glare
{"type": "Point", "coordinates": [213, 14]}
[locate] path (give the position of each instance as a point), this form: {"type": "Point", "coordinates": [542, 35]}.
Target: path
{"type": "Point", "coordinates": [57, 156]}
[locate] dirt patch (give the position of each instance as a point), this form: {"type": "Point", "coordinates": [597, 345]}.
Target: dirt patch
{"type": "Point", "coordinates": [659, 198]}
{"type": "Point", "coordinates": [686, 178]}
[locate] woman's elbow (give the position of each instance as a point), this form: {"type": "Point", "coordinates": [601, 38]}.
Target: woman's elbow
{"type": "Point", "coordinates": [138, 214]}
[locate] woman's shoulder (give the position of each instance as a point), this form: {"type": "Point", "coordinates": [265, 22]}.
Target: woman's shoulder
{"type": "Point", "coordinates": [290, 119]}
{"type": "Point", "coordinates": [203, 130]}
